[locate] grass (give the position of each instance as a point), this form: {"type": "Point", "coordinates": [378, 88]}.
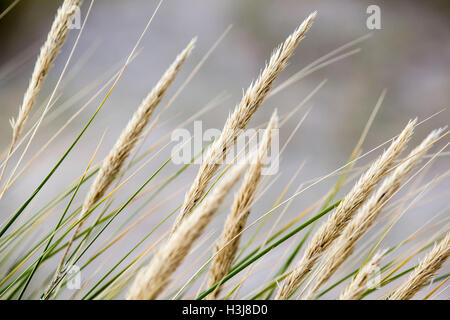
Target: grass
{"type": "Point", "coordinates": [333, 248]}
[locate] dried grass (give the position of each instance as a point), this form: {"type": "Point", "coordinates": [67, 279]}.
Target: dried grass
{"type": "Point", "coordinates": [252, 99]}
{"type": "Point", "coordinates": [333, 227]}
{"type": "Point", "coordinates": [228, 243]}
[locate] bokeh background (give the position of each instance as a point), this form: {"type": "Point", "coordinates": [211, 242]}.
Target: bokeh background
{"type": "Point", "coordinates": [409, 56]}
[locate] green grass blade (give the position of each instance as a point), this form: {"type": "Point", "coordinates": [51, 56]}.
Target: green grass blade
{"type": "Point", "coordinates": [268, 249]}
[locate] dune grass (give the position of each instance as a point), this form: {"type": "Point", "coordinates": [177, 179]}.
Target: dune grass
{"type": "Point", "coordinates": [341, 252]}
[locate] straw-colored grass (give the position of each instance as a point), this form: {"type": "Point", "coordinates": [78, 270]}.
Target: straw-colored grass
{"type": "Point", "coordinates": [358, 226]}
{"type": "Point", "coordinates": [55, 40]}
{"type": "Point", "coordinates": [148, 265]}
{"type": "Point", "coordinates": [238, 120]}
{"type": "Point", "coordinates": [228, 244]}
{"type": "Point", "coordinates": [114, 161]}
{"type": "Point", "coordinates": [361, 282]}
{"type": "Point", "coordinates": [333, 227]}
{"type": "Point", "coordinates": [152, 279]}
{"type": "Point", "coordinates": [427, 267]}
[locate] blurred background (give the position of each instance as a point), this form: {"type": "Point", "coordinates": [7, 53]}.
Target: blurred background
{"type": "Point", "coordinates": [409, 56]}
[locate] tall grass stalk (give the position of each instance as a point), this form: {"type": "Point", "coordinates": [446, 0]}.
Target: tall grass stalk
{"type": "Point", "coordinates": [238, 120]}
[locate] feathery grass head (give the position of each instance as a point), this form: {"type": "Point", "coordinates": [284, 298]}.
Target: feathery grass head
{"type": "Point", "coordinates": [55, 40]}
{"type": "Point", "coordinates": [114, 161]}
{"type": "Point", "coordinates": [429, 265]}
{"type": "Point", "coordinates": [228, 243]}
{"type": "Point", "coordinates": [347, 221]}
{"type": "Point", "coordinates": [242, 114]}
{"type": "Point", "coordinates": [130, 135]}
{"type": "Point", "coordinates": [333, 227]}
{"type": "Point", "coordinates": [358, 226]}
{"type": "Point", "coordinates": [361, 281]}
{"type": "Point", "coordinates": [152, 279]}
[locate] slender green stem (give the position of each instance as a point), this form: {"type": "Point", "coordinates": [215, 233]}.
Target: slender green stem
{"type": "Point", "coordinates": [266, 250]}
{"type": "Point", "coordinates": [46, 296]}
{"type": "Point", "coordinates": [41, 185]}
{"type": "Point", "coordinates": [61, 219]}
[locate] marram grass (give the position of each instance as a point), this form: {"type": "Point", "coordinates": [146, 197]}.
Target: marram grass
{"type": "Point", "coordinates": [152, 267]}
